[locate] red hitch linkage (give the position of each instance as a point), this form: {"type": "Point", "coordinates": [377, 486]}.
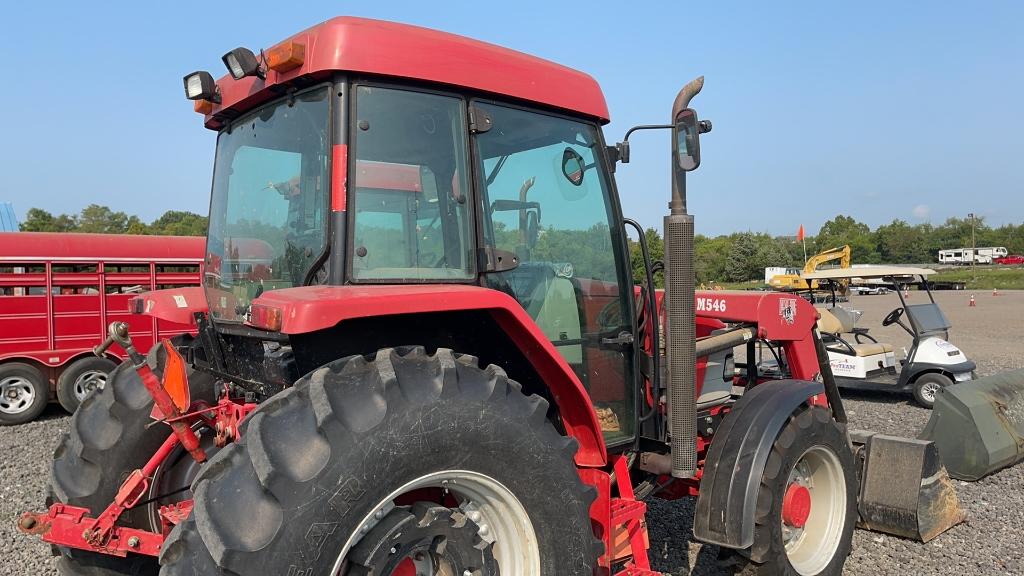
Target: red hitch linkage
{"type": "Point", "coordinates": [71, 526]}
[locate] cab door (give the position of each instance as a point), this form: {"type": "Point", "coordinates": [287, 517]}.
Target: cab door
{"type": "Point", "coordinates": [545, 196]}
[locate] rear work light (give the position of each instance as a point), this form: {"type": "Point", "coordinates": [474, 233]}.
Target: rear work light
{"type": "Point", "coordinates": [241, 62]}
{"type": "Point", "coordinates": [265, 317]}
{"type": "Point", "coordinates": [201, 86]}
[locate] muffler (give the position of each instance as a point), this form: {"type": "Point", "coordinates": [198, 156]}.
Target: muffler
{"type": "Point", "coordinates": [978, 425]}
{"type": "Point", "coordinates": [904, 489]}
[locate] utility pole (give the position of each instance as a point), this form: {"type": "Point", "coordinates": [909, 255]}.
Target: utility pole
{"type": "Point", "coordinates": [974, 247]}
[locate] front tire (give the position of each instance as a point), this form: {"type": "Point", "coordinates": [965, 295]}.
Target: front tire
{"type": "Point", "coordinates": [807, 504]}
{"type": "Point", "coordinates": [928, 386]}
{"type": "Point", "coordinates": [358, 445]}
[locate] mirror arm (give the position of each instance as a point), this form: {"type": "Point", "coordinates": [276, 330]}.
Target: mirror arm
{"type": "Point", "coordinates": [620, 152]}
{"type": "Point", "coordinates": [647, 127]}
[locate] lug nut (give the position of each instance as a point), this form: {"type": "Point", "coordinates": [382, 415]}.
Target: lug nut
{"type": "Point", "coordinates": [133, 542]}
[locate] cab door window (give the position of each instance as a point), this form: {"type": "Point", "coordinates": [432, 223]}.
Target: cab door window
{"type": "Point", "coordinates": [546, 199]}
{"type": "Point", "coordinates": [411, 220]}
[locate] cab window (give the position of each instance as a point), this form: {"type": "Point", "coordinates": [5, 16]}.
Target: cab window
{"type": "Point", "coordinates": [411, 220]}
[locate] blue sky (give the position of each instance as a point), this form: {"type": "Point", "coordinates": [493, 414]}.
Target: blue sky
{"type": "Point", "coordinates": [879, 110]}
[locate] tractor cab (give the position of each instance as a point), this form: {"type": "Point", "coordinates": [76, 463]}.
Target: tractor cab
{"type": "Point", "coordinates": [354, 179]}
{"type": "Point", "coordinates": [859, 361]}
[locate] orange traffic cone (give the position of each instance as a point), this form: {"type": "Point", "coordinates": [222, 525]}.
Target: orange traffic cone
{"type": "Point", "coordinates": [972, 304]}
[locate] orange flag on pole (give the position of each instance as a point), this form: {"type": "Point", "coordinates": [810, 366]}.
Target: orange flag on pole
{"type": "Point", "coordinates": [800, 233]}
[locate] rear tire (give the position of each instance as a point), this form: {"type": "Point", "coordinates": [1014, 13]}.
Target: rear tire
{"type": "Point", "coordinates": [318, 462]}
{"type": "Point", "coordinates": [108, 440]}
{"type": "Point", "coordinates": [811, 451]}
{"type": "Point", "coordinates": [81, 378]}
{"type": "Point", "coordinates": [24, 393]}
{"type": "Point", "coordinates": [928, 386]}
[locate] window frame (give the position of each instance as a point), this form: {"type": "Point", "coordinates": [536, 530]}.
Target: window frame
{"type": "Point", "coordinates": [350, 137]}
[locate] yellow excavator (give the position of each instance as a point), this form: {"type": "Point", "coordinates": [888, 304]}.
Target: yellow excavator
{"type": "Point", "coordinates": [795, 282]}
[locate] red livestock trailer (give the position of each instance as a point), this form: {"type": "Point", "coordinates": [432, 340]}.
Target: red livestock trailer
{"type": "Point", "coordinates": [58, 293]}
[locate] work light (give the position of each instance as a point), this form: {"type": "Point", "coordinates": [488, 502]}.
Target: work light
{"type": "Point", "coordinates": [200, 86]}
{"type": "Point", "coordinates": [241, 62]}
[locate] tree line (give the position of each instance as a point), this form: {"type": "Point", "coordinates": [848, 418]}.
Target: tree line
{"type": "Point", "coordinates": [96, 219]}
{"type": "Point", "coordinates": [743, 256]}
{"type": "Point", "coordinates": [735, 257]}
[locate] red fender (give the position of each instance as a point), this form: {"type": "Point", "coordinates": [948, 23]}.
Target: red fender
{"type": "Point", "coordinates": [177, 305]}
{"type": "Point", "coordinates": [311, 308]}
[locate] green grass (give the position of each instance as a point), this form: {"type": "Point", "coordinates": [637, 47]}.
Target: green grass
{"type": "Point", "coordinates": [985, 278]}
{"type": "Point", "coordinates": [749, 285]}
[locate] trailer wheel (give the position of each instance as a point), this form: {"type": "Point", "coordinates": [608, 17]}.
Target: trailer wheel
{"type": "Point", "coordinates": [109, 439]}
{"type": "Point", "coordinates": [80, 378]}
{"type": "Point", "coordinates": [927, 387]}
{"type": "Point", "coordinates": [807, 504]}
{"type": "Point", "coordinates": [24, 392]}
{"type": "Point", "coordinates": [397, 463]}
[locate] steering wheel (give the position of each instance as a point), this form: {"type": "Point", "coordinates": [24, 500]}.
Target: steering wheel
{"type": "Point", "coordinates": [892, 317]}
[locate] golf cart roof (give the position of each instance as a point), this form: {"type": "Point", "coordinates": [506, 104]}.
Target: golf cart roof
{"type": "Point", "coordinates": [866, 272]}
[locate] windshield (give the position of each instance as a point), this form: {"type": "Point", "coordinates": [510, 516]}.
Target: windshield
{"type": "Point", "coordinates": [268, 203]}
{"type": "Point", "coordinates": [927, 318]}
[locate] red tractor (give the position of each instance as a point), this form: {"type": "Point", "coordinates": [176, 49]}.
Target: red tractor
{"type": "Point", "coordinates": [445, 368]}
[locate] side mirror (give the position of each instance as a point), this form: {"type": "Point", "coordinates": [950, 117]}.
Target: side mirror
{"type": "Point", "coordinates": [686, 140]}
{"type": "Point", "coordinates": [572, 166]}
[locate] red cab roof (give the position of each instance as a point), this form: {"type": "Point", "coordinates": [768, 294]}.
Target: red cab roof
{"type": "Point", "coordinates": [405, 51]}
{"type": "Point", "coordinates": [39, 246]}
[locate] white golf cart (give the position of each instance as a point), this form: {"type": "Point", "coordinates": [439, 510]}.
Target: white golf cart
{"type": "Point", "coordinates": [861, 362]}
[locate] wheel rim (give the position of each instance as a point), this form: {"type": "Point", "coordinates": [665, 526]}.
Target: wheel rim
{"type": "Point", "coordinates": [17, 394]}
{"type": "Point", "coordinates": [88, 381]}
{"type": "Point", "coordinates": [929, 390]}
{"type": "Point", "coordinates": [172, 480]}
{"type": "Point", "coordinates": [500, 516]}
{"type": "Point", "coordinates": [811, 537]}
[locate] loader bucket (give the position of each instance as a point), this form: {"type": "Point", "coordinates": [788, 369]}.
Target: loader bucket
{"type": "Point", "coordinates": [904, 489]}
{"type": "Point", "coordinates": [978, 425]}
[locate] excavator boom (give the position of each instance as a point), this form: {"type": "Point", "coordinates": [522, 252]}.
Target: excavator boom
{"type": "Point", "coordinates": [795, 282]}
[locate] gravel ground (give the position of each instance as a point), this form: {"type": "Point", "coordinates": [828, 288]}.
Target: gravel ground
{"type": "Point", "coordinates": [992, 542]}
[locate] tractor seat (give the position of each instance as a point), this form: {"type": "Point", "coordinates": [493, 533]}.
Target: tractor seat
{"type": "Point", "coordinates": [866, 349]}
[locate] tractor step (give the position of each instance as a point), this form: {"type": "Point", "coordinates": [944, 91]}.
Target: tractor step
{"type": "Point", "coordinates": [627, 510]}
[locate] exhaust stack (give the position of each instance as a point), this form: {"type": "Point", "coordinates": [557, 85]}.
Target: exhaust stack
{"type": "Point", "coordinates": [679, 300]}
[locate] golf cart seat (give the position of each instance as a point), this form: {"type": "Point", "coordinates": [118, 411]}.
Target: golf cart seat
{"type": "Point", "coordinates": [833, 322]}
{"type": "Point", "coordinates": [836, 321]}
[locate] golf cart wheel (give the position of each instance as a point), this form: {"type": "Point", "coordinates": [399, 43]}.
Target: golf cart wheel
{"type": "Point", "coordinates": [24, 392]}
{"type": "Point", "coordinates": [807, 503]}
{"type": "Point", "coordinates": [108, 439]}
{"type": "Point", "coordinates": [928, 386]}
{"type": "Point", "coordinates": [396, 463]}
{"type": "Point", "coordinates": [80, 378]}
